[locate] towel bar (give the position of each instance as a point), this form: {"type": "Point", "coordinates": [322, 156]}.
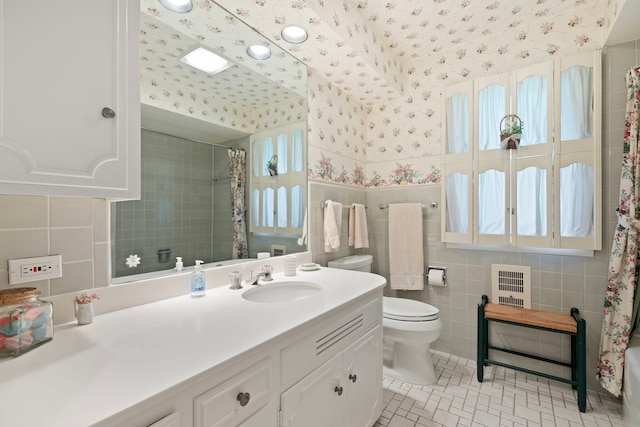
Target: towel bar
{"type": "Point", "coordinates": [324, 205]}
{"type": "Point", "coordinates": [432, 205]}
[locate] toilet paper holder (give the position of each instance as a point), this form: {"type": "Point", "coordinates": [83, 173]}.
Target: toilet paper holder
{"type": "Point", "coordinates": [436, 269]}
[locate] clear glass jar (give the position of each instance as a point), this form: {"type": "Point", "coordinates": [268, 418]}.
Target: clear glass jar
{"type": "Point", "coordinates": [26, 321]}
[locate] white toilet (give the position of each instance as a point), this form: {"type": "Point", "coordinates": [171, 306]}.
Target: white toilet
{"type": "Point", "coordinates": [409, 328]}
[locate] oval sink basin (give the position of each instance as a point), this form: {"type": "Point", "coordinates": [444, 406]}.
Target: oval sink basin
{"type": "Point", "coordinates": [281, 292]}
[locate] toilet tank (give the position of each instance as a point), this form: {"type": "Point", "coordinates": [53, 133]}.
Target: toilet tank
{"type": "Point", "coordinates": [353, 262]}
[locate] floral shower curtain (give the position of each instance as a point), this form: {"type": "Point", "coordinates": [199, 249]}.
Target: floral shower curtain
{"type": "Point", "coordinates": [620, 305]}
{"type": "Point", "coordinates": [238, 168]}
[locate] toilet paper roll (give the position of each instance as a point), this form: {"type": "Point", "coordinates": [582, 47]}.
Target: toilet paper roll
{"type": "Point", "coordinates": [263, 255]}
{"type": "Point", "coordinates": [436, 277]}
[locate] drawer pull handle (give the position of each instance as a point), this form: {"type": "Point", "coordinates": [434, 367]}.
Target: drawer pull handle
{"type": "Point", "coordinates": [353, 377]}
{"type": "Point", "coordinates": [338, 390]}
{"type": "Point", "coordinates": [108, 113]}
{"type": "Point", "coordinates": [243, 398]}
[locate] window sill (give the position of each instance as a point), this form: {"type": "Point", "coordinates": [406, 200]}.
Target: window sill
{"type": "Point", "coordinates": [521, 249]}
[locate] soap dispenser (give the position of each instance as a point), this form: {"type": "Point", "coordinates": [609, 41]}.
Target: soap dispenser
{"type": "Point", "coordinates": [198, 281]}
{"type": "Point", "coordinates": [179, 264]}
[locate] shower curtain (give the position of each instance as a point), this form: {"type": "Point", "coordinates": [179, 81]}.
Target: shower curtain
{"type": "Point", "coordinates": [621, 302]}
{"type": "Point", "coordinates": [238, 167]}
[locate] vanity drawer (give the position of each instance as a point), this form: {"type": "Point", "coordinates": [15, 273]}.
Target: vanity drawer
{"type": "Point", "coordinates": [233, 401]}
{"type": "Point", "coordinates": [322, 343]}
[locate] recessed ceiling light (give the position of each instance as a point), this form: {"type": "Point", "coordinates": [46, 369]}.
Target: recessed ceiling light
{"type": "Point", "coordinates": [206, 61]}
{"type": "Point", "coordinates": [181, 6]}
{"type": "Point", "coordinates": [294, 34]}
{"type": "Point", "coordinates": [258, 52]}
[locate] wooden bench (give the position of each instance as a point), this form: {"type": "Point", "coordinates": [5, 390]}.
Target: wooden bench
{"type": "Point", "coordinates": [572, 325]}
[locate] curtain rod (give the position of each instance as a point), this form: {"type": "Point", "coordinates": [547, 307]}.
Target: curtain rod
{"type": "Point", "coordinates": [195, 140]}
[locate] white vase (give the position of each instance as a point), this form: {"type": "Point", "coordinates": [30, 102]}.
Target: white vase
{"type": "Point", "coordinates": [84, 313]}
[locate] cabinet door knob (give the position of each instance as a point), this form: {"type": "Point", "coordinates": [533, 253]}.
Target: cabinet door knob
{"type": "Point", "coordinates": [353, 377]}
{"type": "Point", "coordinates": [243, 398]}
{"type": "Point", "coordinates": [108, 113]}
{"type": "Point", "coordinates": [338, 390]}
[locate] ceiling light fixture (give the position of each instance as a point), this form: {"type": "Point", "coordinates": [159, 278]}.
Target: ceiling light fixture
{"type": "Point", "coordinates": [206, 61]}
{"type": "Point", "coordinates": [294, 34]}
{"type": "Point", "coordinates": [259, 52]}
{"type": "Point", "coordinates": [180, 6]}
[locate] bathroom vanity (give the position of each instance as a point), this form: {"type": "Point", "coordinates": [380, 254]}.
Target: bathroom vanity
{"type": "Point", "coordinates": [308, 357]}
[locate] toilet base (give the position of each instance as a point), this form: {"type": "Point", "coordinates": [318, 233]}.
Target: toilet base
{"type": "Point", "coordinates": [409, 363]}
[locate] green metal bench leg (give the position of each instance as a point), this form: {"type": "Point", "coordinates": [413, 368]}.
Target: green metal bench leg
{"type": "Point", "coordinates": [482, 340]}
{"type": "Point", "coordinates": [581, 349]}
{"type": "Point", "coordinates": [574, 361]}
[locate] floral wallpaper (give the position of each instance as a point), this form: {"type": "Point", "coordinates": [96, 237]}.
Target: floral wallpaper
{"type": "Point", "coordinates": [377, 69]}
{"type": "Point", "coordinates": [249, 96]}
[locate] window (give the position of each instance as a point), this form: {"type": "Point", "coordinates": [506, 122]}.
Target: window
{"type": "Point", "coordinates": [277, 197]}
{"type": "Point", "coordinates": [547, 193]}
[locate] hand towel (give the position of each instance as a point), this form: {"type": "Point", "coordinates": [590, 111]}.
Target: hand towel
{"type": "Point", "coordinates": [332, 225]}
{"type": "Point", "coordinates": [305, 230]}
{"type": "Point", "coordinates": [406, 259]}
{"type": "Point", "coordinates": [358, 235]}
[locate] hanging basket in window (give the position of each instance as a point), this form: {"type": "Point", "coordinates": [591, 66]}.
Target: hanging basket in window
{"type": "Point", "coordinates": [510, 132]}
{"type": "Point", "coordinates": [272, 165]}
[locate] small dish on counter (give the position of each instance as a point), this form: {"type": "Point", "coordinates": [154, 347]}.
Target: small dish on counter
{"type": "Point", "coordinates": [309, 266]}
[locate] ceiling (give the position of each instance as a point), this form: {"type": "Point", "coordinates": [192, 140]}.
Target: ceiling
{"type": "Point", "coordinates": [377, 50]}
{"type": "Point", "coordinates": [248, 85]}
{"type": "Point", "coordinates": [383, 50]}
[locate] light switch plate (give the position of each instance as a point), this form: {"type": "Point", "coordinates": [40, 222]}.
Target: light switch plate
{"type": "Point", "coordinates": [33, 269]}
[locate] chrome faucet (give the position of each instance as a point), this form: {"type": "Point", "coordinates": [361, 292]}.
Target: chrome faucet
{"type": "Point", "coordinates": [265, 275]}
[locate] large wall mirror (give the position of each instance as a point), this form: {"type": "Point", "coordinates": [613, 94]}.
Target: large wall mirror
{"type": "Point", "coordinates": [191, 120]}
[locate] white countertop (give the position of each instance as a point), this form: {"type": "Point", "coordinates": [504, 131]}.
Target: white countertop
{"type": "Point", "coordinates": [88, 373]}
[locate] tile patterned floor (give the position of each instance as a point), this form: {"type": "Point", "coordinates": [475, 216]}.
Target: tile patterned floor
{"type": "Point", "coordinates": [506, 398]}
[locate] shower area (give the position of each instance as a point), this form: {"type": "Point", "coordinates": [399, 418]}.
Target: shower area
{"type": "Point", "coordinates": [184, 210]}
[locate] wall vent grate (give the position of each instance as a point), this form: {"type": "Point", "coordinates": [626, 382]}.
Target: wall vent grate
{"type": "Point", "coordinates": [511, 285]}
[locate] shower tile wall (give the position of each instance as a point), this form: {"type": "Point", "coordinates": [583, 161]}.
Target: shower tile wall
{"type": "Point", "coordinates": [221, 211]}
{"type": "Point", "coordinates": [174, 211]}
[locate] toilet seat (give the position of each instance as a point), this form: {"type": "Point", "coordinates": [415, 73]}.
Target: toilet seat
{"type": "Point", "coordinates": [407, 310]}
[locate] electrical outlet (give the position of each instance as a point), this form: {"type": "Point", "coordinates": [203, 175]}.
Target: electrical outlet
{"type": "Point", "coordinates": [32, 269]}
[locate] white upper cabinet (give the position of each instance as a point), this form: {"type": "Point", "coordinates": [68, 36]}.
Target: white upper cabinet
{"type": "Point", "coordinates": [69, 104]}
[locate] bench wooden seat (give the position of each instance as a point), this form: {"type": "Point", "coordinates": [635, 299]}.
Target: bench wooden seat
{"type": "Point", "coordinates": [569, 324]}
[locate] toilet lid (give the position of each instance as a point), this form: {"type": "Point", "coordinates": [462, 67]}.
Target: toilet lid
{"type": "Point", "coordinates": [408, 310]}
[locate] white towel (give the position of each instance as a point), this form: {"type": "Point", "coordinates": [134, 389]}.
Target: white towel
{"type": "Point", "coordinates": [305, 230]}
{"type": "Point", "coordinates": [358, 235]}
{"type": "Point", "coordinates": [406, 259]}
{"type": "Point", "coordinates": [332, 225]}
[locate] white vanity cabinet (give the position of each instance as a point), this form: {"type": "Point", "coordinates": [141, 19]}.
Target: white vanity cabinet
{"type": "Point", "coordinates": [171, 420]}
{"type": "Point", "coordinates": [217, 361]}
{"type": "Point", "coordinates": [70, 110]}
{"type": "Point", "coordinates": [346, 391]}
{"type": "Point", "coordinates": [242, 400]}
